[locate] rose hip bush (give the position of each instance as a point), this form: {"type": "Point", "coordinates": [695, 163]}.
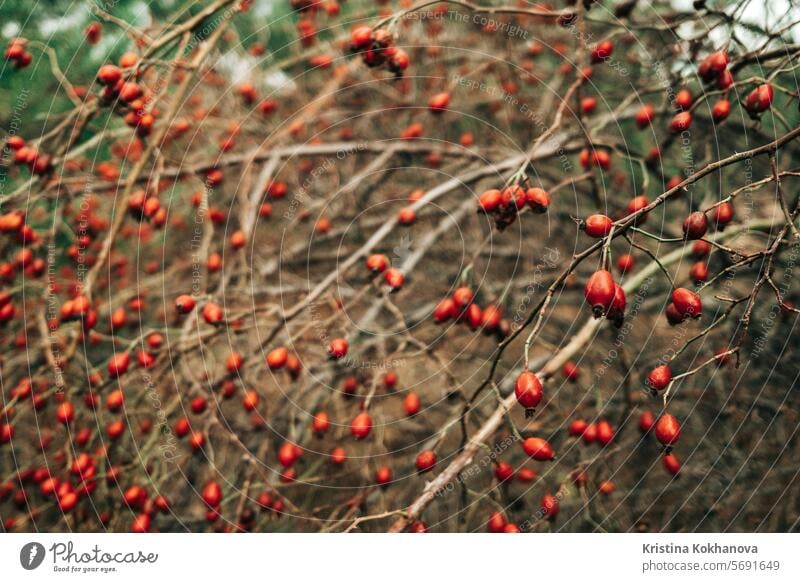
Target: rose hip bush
{"type": "Point", "coordinates": [369, 266]}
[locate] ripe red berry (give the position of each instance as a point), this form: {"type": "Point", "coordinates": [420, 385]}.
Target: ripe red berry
{"type": "Point", "coordinates": [725, 79]}
{"type": "Point", "coordinates": [537, 199]}
{"type": "Point", "coordinates": [118, 364]}
{"type": "Point", "coordinates": [320, 423]}
{"type": "Point", "coordinates": [361, 37]}
{"type": "Point", "coordinates": [635, 205]}
{"type": "Point", "coordinates": [288, 453]}
{"type": "Point", "coordinates": [599, 292]}
{"type": "Point", "coordinates": [644, 116]}
{"type": "Point", "coordinates": [383, 476]}
{"type": "Point", "coordinates": [589, 434]}
{"type": "Point", "coordinates": [390, 379]}
{"type": "Point", "coordinates": [65, 412]}
{"type": "Point", "coordinates": [439, 102]}
{"type": "Point", "coordinates": [377, 263]}
{"type": "Point", "coordinates": [683, 99]}
{"type": "Point", "coordinates": [503, 471]}
{"type": "Point", "coordinates": [361, 425]}
{"type": "Point", "coordinates": [212, 494]}
{"type": "Point", "coordinates": [109, 75]}
{"type": "Point", "coordinates": [338, 348]}
{"type": "Point", "coordinates": [695, 225]}
{"type": "Point", "coordinates": [549, 506]}
{"type": "Point", "coordinates": [406, 216]}
{"type": "Point", "coordinates": [577, 427]}
{"type": "Point", "coordinates": [625, 263]}
{"type": "Point", "coordinates": [425, 461]}
{"type": "Point", "coordinates": [700, 249]}
{"type": "Point", "coordinates": [490, 200]}
{"type": "Point", "coordinates": [714, 64]}
{"type": "Point", "coordinates": [597, 225]}
{"type": "Point", "coordinates": [672, 314]}
{"type": "Point", "coordinates": [606, 487]}
{"type": "Point", "coordinates": [602, 51]}
{"type": "Point", "coordinates": [250, 400]}
{"type": "Point", "coordinates": [130, 92]}
{"type": "Point", "coordinates": [721, 110]}
{"type": "Point", "coordinates": [412, 404]}
{"type": "Point", "coordinates": [196, 440]}
{"type": "Point", "coordinates": [528, 390]}
{"type": "Point", "coordinates": [394, 278]}
{"type": "Point", "coordinates": [668, 431]}
{"type": "Point", "coordinates": [6, 433]}
{"type": "Point", "coordinates": [212, 313]}
{"type": "Point", "coordinates": [646, 421]}
{"type": "Point", "coordinates": [68, 501]}
{"type": "Point", "coordinates": [659, 377]}
{"type": "Point", "coordinates": [234, 363]}
{"type": "Point", "coordinates": [699, 272]}
{"type": "Point", "coordinates": [462, 297]}
{"type": "Point", "coordinates": [473, 316]}
{"type": "Point", "coordinates": [616, 310]}
{"type": "Point", "coordinates": [681, 122]}
{"type": "Point", "coordinates": [445, 310]}
{"type": "Point", "coordinates": [571, 371]}
{"type": "Point", "coordinates": [672, 464]}
{"type": "Point", "coordinates": [276, 359]}
{"type": "Point", "coordinates": [722, 214]}
{"type": "Point", "coordinates": [399, 61]}
{"type": "Point", "coordinates": [184, 303]}
{"type": "Point", "coordinates": [538, 449]}
{"type": "Point", "coordinates": [182, 427]}
{"type": "Point", "coordinates": [238, 240]}
{"type": "Point", "coordinates": [491, 318]}
{"type": "Point", "coordinates": [497, 522]}
{"type": "Point", "coordinates": [759, 99]}
{"type": "Point", "coordinates": [604, 432]}
{"type": "Point", "coordinates": [514, 196]}
{"type": "Point", "coordinates": [687, 303]}
{"type": "Point", "coordinates": [141, 523]}
{"type": "Point", "coordinates": [338, 456]}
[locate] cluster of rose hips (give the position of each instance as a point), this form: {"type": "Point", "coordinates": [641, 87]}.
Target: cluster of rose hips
{"type": "Point", "coordinates": [392, 276]}
{"type": "Point", "coordinates": [600, 432]}
{"type": "Point", "coordinates": [462, 308]}
{"type": "Point", "coordinates": [598, 158]}
{"type": "Point", "coordinates": [127, 95]}
{"type": "Point", "coordinates": [145, 206]}
{"type": "Point", "coordinates": [504, 473]}
{"type": "Point", "coordinates": [759, 100]}
{"type": "Point", "coordinates": [7, 309]}
{"type": "Point", "coordinates": [504, 205]}
{"type": "Point", "coordinates": [376, 49]}
{"type": "Point", "coordinates": [12, 224]}
{"type": "Point", "coordinates": [714, 69]}
{"type": "Point", "coordinates": [667, 428]}
{"type": "Point", "coordinates": [498, 523]}
{"type": "Point", "coordinates": [212, 313]}
{"type": "Point", "coordinates": [668, 432]}
{"type": "Point", "coordinates": [360, 426]}
{"type": "Point", "coordinates": [16, 51]}
{"type": "Point", "coordinates": [37, 162]}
